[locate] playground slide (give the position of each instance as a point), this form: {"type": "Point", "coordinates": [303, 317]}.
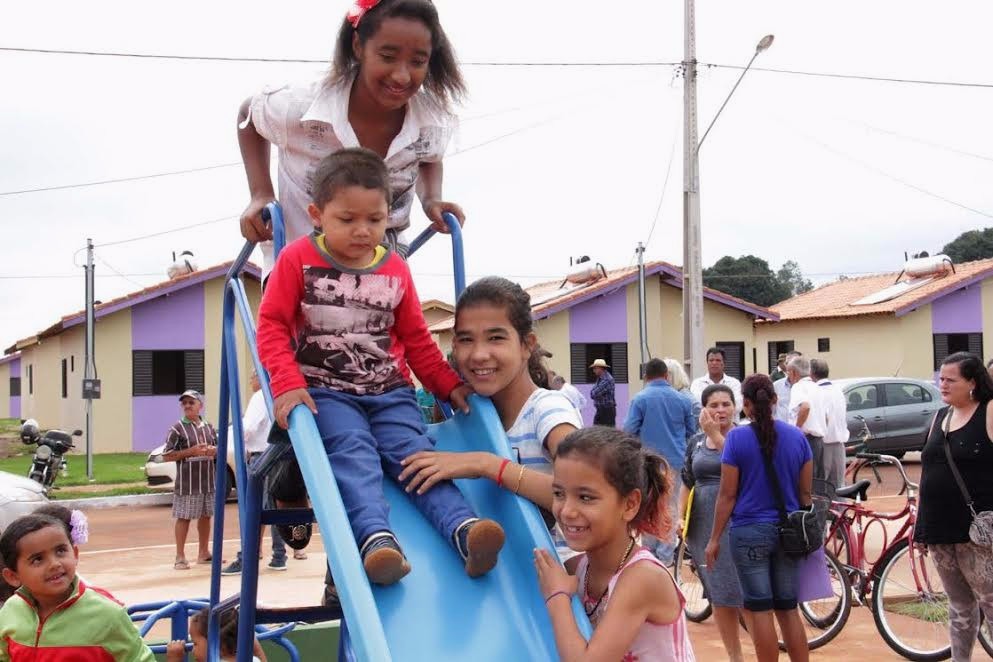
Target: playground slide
{"type": "Point", "coordinates": [437, 612]}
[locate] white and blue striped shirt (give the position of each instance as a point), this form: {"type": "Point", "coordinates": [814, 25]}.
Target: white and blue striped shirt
{"type": "Point", "coordinates": [541, 413]}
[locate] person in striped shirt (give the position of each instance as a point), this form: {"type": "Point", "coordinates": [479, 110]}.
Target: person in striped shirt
{"type": "Point", "coordinates": [192, 445]}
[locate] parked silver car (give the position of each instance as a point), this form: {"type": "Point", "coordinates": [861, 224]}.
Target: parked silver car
{"type": "Point", "coordinates": [18, 496]}
{"type": "Point", "coordinates": [897, 411]}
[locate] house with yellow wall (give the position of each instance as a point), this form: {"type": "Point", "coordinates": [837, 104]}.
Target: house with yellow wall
{"type": "Point", "coordinates": [598, 318]}
{"type": "Point", "coordinates": [150, 346]}
{"type": "Point", "coordinates": [893, 324]}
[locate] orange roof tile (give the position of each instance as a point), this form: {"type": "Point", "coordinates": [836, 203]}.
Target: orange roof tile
{"type": "Point", "coordinates": [836, 299]}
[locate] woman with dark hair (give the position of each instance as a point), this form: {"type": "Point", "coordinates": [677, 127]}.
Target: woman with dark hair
{"type": "Point", "coordinates": [962, 432]}
{"type": "Point", "coordinates": [702, 474]}
{"type": "Point", "coordinates": [746, 498]}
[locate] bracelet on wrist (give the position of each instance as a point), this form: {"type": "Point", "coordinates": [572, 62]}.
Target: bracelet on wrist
{"type": "Point", "coordinates": [556, 593]}
{"type": "Point", "coordinates": [503, 467]}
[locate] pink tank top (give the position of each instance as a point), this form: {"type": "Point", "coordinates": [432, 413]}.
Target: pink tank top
{"type": "Point", "coordinates": [655, 642]}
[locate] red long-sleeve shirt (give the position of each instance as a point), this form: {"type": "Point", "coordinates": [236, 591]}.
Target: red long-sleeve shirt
{"type": "Point", "coordinates": [356, 330]}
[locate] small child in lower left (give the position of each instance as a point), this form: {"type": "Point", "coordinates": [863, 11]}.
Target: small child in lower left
{"type": "Point", "coordinates": [54, 615]}
{"type": "Point", "coordinates": [176, 650]}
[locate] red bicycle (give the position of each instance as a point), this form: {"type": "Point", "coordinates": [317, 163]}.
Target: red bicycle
{"type": "Point", "coordinates": [899, 583]}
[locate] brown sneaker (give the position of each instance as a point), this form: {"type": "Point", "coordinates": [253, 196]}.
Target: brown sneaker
{"type": "Point", "coordinates": [479, 541]}
{"type": "Point", "coordinates": [383, 559]}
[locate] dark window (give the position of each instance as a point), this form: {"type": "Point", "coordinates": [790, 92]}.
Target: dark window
{"type": "Point", "coordinates": [903, 394]}
{"type": "Point", "coordinates": [862, 397]}
{"type": "Point", "coordinates": [823, 344]}
{"type": "Point", "coordinates": [65, 379]}
{"type": "Point", "coordinates": [946, 344]}
{"type": "Point", "coordinates": [166, 372]}
{"type": "Point", "coordinates": [734, 359]}
{"type": "Point", "coordinates": [15, 387]}
{"type": "Point", "coordinates": [30, 380]}
{"type": "Point", "coordinates": [777, 347]}
{"type": "Point", "coordinates": [583, 354]}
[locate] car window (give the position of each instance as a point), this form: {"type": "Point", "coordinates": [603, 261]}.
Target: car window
{"type": "Point", "coordinates": [862, 397]}
{"type": "Point", "coordinates": [903, 394]}
{"type": "Point", "coordinates": [927, 395]}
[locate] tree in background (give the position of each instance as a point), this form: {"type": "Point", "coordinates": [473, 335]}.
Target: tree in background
{"type": "Point", "coordinates": [750, 278]}
{"type": "Point", "coordinates": [971, 245]}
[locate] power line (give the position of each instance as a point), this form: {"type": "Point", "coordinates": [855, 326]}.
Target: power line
{"type": "Point", "coordinates": [883, 173]}
{"type": "Point", "coordinates": [62, 187]}
{"type": "Point", "coordinates": [222, 58]}
{"type": "Point", "coordinates": [116, 274]}
{"type": "Point", "coordinates": [165, 232]}
{"type": "Point", "coordinates": [822, 74]}
{"type": "Point", "coordinates": [109, 266]}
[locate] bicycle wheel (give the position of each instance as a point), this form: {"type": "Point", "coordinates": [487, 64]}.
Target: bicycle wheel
{"type": "Point", "coordinates": [698, 608]}
{"type": "Point", "coordinates": [871, 471]}
{"type": "Point", "coordinates": [986, 637]}
{"type": "Point", "coordinates": [910, 605]}
{"type": "Point", "coordinates": [823, 619]}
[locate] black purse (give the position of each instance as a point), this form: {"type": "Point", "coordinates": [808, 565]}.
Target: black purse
{"type": "Point", "coordinates": [801, 531]}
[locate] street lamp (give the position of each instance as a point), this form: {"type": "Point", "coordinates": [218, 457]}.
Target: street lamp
{"type": "Point", "coordinates": [693, 349]}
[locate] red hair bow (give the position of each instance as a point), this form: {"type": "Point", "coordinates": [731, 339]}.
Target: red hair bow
{"type": "Point", "coordinates": [358, 10]}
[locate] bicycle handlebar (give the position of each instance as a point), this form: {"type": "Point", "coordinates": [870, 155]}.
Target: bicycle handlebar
{"type": "Point", "coordinates": [889, 459]}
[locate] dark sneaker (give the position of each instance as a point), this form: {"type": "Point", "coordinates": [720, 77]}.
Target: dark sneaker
{"type": "Point", "coordinates": [233, 569]}
{"type": "Point", "coordinates": [330, 597]}
{"type": "Point", "coordinates": [296, 536]}
{"type": "Point", "coordinates": [383, 559]}
{"type": "Point", "coordinates": [479, 541]}
{"type": "Point", "coordinates": [277, 564]}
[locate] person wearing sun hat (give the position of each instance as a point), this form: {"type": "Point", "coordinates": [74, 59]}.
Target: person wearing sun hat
{"type": "Point", "coordinates": [603, 395]}
{"type": "Point", "coordinates": [192, 445]}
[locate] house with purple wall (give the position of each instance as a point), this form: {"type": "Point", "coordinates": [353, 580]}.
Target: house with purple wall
{"type": "Point", "coordinates": [150, 346]}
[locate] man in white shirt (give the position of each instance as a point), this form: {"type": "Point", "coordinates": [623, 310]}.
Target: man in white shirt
{"type": "Point", "coordinates": [807, 409]}
{"type": "Point", "coordinates": [782, 388]}
{"type": "Point", "coordinates": [836, 433]}
{"type": "Point", "coordinates": [715, 375]}
{"type": "Point", "coordinates": [568, 390]}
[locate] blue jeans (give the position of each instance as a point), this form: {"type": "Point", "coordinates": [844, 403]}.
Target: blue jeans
{"type": "Point", "coordinates": [366, 436]}
{"type": "Point", "coordinates": [278, 547]}
{"type": "Point", "coordinates": [767, 575]}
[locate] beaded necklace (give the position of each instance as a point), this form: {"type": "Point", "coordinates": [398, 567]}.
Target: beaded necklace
{"type": "Point", "coordinates": [586, 580]}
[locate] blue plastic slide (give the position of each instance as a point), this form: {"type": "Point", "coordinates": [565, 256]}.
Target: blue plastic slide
{"type": "Point", "coordinates": [437, 612]}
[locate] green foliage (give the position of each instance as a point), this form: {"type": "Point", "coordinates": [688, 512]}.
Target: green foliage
{"type": "Point", "coordinates": [971, 245]}
{"type": "Point", "coordinates": [750, 278]}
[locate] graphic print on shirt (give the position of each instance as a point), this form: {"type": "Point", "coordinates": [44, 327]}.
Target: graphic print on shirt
{"type": "Point", "coordinates": [344, 343]}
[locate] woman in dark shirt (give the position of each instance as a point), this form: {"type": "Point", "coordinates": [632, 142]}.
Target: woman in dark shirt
{"type": "Point", "coordinates": [966, 426]}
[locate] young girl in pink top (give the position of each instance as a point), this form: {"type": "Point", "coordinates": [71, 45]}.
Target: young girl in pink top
{"type": "Point", "coordinates": [607, 489]}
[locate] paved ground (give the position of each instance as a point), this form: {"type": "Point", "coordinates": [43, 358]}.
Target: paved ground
{"type": "Point", "coordinates": [131, 553]}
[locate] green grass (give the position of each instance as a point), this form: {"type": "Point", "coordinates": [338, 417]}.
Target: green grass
{"type": "Point", "coordinates": [108, 468]}
{"type": "Point", "coordinates": [929, 611]}
{"type": "Point", "coordinates": [10, 426]}
{"type": "Point", "coordinates": [63, 495]}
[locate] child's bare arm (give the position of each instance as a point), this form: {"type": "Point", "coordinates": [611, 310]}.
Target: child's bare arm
{"type": "Point", "coordinates": [255, 154]}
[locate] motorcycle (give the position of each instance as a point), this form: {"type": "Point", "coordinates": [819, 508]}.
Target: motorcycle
{"type": "Point", "coordinates": [50, 455]}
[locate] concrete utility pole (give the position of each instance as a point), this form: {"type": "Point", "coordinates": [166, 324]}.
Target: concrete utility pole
{"type": "Point", "coordinates": [89, 365]}
{"type": "Point", "coordinates": [642, 312]}
{"type": "Point", "coordinates": [693, 348]}
{"type": "Point", "coordinates": [692, 256]}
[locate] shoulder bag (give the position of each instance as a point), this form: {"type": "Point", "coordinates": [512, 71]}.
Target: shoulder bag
{"type": "Point", "coordinates": [981, 528]}
{"type": "Point", "coordinates": [801, 531]}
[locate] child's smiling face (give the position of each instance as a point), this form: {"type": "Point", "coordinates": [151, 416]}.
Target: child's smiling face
{"type": "Point", "coordinates": [46, 565]}
{"type": "Point", "coordinates": [488, 350]}
{"type": "Point", "coordinates": [589, 509]}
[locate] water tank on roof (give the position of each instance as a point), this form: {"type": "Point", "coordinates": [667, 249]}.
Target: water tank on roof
{"type": "Point", "coordinates": [585, 271]}
{"type": "Point", "coordinates": [181, 265]}
{"type": "Point", "coordinates": [935, 265]}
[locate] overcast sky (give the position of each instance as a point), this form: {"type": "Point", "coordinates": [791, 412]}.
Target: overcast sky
{"type": "Point", "coordinates": [797, 167]}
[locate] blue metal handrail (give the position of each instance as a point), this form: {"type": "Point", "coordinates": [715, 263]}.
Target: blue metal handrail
{"type": "Point", "coordinates": [369, 640]}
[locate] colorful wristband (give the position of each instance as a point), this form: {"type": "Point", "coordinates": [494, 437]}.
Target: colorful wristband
{"type": "Point", "coordinates": [503, 466]}
{"type": "Point", "coordinates": [565, 593]}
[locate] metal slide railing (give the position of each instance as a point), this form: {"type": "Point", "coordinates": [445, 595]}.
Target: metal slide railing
{"type": "Point", "coordinates": [359, 611]}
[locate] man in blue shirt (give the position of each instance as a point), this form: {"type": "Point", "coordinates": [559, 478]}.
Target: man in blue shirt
{"type": "Point", "coordinates": [602, 395]}
{"type": "Point", "coordinates": [663, 419]}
